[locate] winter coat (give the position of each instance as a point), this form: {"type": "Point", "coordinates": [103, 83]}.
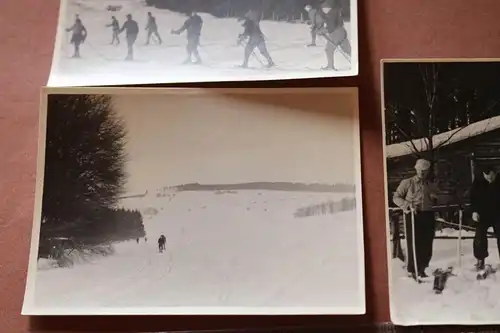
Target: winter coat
{"type": "Point", "coordinates": [485, 197]}
{"type": "Point", "coordinates": [333, 19]}
{"type": "Point", "coordinates": [152, 24]}
{"type": "Point", "coordinates": [131, 27]}
{"type": "Point", "coordinates": [193, 27]}
{"type": "Point", "coordinates": [315, 18]}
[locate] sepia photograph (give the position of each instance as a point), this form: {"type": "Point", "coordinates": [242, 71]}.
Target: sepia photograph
{"type": "Point", "coordinates": [197, 201]}
{"type": "Point", "coordinates": [442, 164]}
{"type": "Point", "coordinates": [117, 42]}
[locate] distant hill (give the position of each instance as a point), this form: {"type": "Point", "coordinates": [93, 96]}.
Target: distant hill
{"type": "Point", "coordinates": [271, 186]}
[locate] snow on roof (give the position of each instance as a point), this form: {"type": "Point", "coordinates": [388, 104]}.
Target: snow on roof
{"type": "Point", "coordinates": [445, 138]}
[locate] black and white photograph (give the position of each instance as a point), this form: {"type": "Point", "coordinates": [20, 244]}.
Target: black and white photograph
{"type": "Point", "coordinates": [197, 201]}
{"type": "Point", "coordinates": [442, 164]}
{"type": "Point", "coordinates": [116, 42]}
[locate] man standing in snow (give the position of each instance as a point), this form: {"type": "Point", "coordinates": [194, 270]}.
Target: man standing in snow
{"type": "Point", "coordinates": [417, 194]}
{"type": "Point", "coordinates": [115, 26]}
{"type": "Point", "coordinates": [161, 243]}
{"type": "Point", "coordinates": [132, 30]}
{"type": "Point", "coordinates": [79, 35]}
{"type": "Point", "coordinates": [316, 22]}
{"type": "Point", "coordinates": [334, 32]}
{"type": "Point", "coordinates": [193, 26]}
{"type": "Point", "coordinates": [485, 200]}
{"type": "Point", "coordinates": [254, 39]}
{"type": "Point", "coordinates": [152, 28]}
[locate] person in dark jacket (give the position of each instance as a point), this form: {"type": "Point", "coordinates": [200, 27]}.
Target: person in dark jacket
{"type": "Point", "coordinates": [485, 204]}
{"type": "Point", "coordinates": [315, 21]}
{"type": "Point", "coordinates": [334, 32]}
{"type": "Point", "coordinates": [192, 26]}
{"type": "Point", "coordinates": [254, 38]}
{"type": "Point", "coordinates": [161, 243]}
{"type": "Point", "coordinates": [115, 26]}
{"type": "Point", "coordinates": [131, 29]}
{"type": "Point", "coordinates": [78, 37]}
{"type": "Point", "coordinates": [152, 29]}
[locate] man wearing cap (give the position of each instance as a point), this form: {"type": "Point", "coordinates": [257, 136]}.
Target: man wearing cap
{"type": "Point", "coordinates": [316, 22]}
{"type": "Point", "coordinates": [334, 32]}
{"type": "Point", "coordinates": [485, 200]}
{"type": "Point", "coordinates": [418, 194]}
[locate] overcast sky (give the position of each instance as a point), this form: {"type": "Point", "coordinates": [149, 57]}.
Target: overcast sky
{"type": "Point", "coordinates": [216, 138]}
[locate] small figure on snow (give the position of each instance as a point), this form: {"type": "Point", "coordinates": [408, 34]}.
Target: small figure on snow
{"type": "Point", "coordinates": [315, 21]}
{"type": "Point", "coordinates": [137, 240]}
{"type": "Point", "coordinates": [115, 26]}
{"type": "Point", "coordinates": [193, 26]}
{"type": "Point", "coordinates": [254, 38]}
{"type": "Point", "coordinates": [145, 239]}
{"type": "Point", "coordinates": [131, 29]}
{"type": "Point", "coordinates": [152, 29]}
{"type": "Point", "coordinates": [484, 195]}
{"type": "Point", "coordinates": [416, 195]}
{"type": "Point", "coordinates": [161, 243]}
{"type": "Point", "coordinates": [334, 32]}
{"type": "Point", "coordinates": [78, 37]}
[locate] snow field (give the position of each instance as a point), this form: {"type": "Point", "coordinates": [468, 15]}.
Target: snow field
{"type": "Point", "coordinates": [464, 300]}
{"type": "Point", "coordinates": [101, 61]}
{"type": "Point", "coordinates": [229, 250]}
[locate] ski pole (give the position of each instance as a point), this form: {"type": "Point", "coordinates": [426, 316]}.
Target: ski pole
{"type": "Point", "coordinates": [459, 242]}
{"type": "Point", "coordinates": [406, 239]}
{"type": "Point", "coordinates": [414, 244]}
{"type": "Point", "coordinates": [337, 47]}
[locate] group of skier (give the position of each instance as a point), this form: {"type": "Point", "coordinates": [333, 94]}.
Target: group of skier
{"type": "Point", "coordinates": [326, 20]}
{"type": "Point", "coordinates": [162, 241]}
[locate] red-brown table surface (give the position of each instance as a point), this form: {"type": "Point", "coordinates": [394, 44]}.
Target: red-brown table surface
{"type": "Point", "coordinates": [387, 29]}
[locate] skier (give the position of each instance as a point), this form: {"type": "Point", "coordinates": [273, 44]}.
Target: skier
{"type": "Point", "coordinates": [137, 240]}
{"type": "Point", "coordinates": [132, 30]}
{"type": "Point", "coordinates": [418, 193]}
{"type": "Point", "coordinates": [254, 39]}
{"type": "Point", "coordinates": [484, 195]}
{"type": "Point", "coordinates": [193, 26]}
{"type": "Point", "coordinates": [152, 28]}
{"type": "Point", "coordinates": [334, 32]}
{"type": "Point", "coordinates": [316, 22]}
{"type": "Point", "coordinates": [116, 29]}
{"type": "Point", "coordinates": [161, 243]}
{"type": "Point", "coordinates": [78, 37]}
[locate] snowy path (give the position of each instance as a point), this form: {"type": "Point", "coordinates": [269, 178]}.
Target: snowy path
{"type": "Point", "coordinates": [464, 300]}
{"type": "Point", "coordinates": [233, 250]}
{"type": "Point", "coordinates": [105, 63]}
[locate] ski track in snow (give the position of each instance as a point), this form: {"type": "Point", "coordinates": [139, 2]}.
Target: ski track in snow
{"type": "Point", "coordinates": [104, 63]}
{"type": "Point", "coordinates": [233, 250]}
{"type": "Point", "coordinates": [464, 299]}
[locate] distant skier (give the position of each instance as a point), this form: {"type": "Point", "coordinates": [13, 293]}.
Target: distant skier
{"type": "Point", "coordinates": [161, 243]}
{"type": "Point", "coordinates": [484, 195]}
{"type": "Point", "coordinates": [145, 239]}
{"type": "Point", "coordinates": [152, 29]}
{"type": "Point", "coordinates": [316, 22]}
{"type": "Point", "coordinates": [254, 39]}
{"type": "Point", "coordinates": [132, 30]}
{"type": "Point", "coordinates": [334, 32]}
{"type": "Point", "coordinates": [115, 26]}
{"type": "Point", "coordinates": [78, 37]}
{"type": "Point", "coordinates": [193, 26]}
{"type": "Point", "coordinates": [137, 239]}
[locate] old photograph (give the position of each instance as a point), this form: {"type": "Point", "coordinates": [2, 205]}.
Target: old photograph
{"type": "Point", "coordinates": [442, 163]}
{"type": "Point", "coordinates": [195, 201]}
{"type": "Point", "coordinates": [117, 42]}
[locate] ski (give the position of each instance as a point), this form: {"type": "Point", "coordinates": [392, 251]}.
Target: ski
{"type": "Point", "coordinates": [440, 278]}
{"type": "Point", "coordinates": [485, 272]}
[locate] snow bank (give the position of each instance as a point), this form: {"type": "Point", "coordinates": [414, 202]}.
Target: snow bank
{"type": "Point", "coordinates": [453, 136]}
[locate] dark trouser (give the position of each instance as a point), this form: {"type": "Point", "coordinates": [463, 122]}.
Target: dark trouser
{"type": "Point", "coordinates": [337, 38]}
{"type": "Point", "coordinates": [152, 32]}
{"type": "Point", "coordinates": [425, 227]}
{"type": "Point", "coordinates": [192, 48]}
{"type": "Point", "coordinates": [313, 36]}
{"type": "Point", "coordinates": [481, 236]}
{"type": "Point", "coordinates": [260, 43]}
{"type": "Point", "coordinates": [130, 45]}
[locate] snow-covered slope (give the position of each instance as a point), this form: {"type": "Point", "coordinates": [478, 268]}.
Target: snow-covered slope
{"type": "Point", "coordinates": [464, 300]}
{"type": "Point", "coordinates": [226, 252]}
{"type": "Point", "coordinates": [104, 63]}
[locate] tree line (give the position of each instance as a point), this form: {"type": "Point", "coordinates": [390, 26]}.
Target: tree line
{"type": "Point", "coordinates": [84, 173]}
{"type": "Point", "coordinates": [289, 10]}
